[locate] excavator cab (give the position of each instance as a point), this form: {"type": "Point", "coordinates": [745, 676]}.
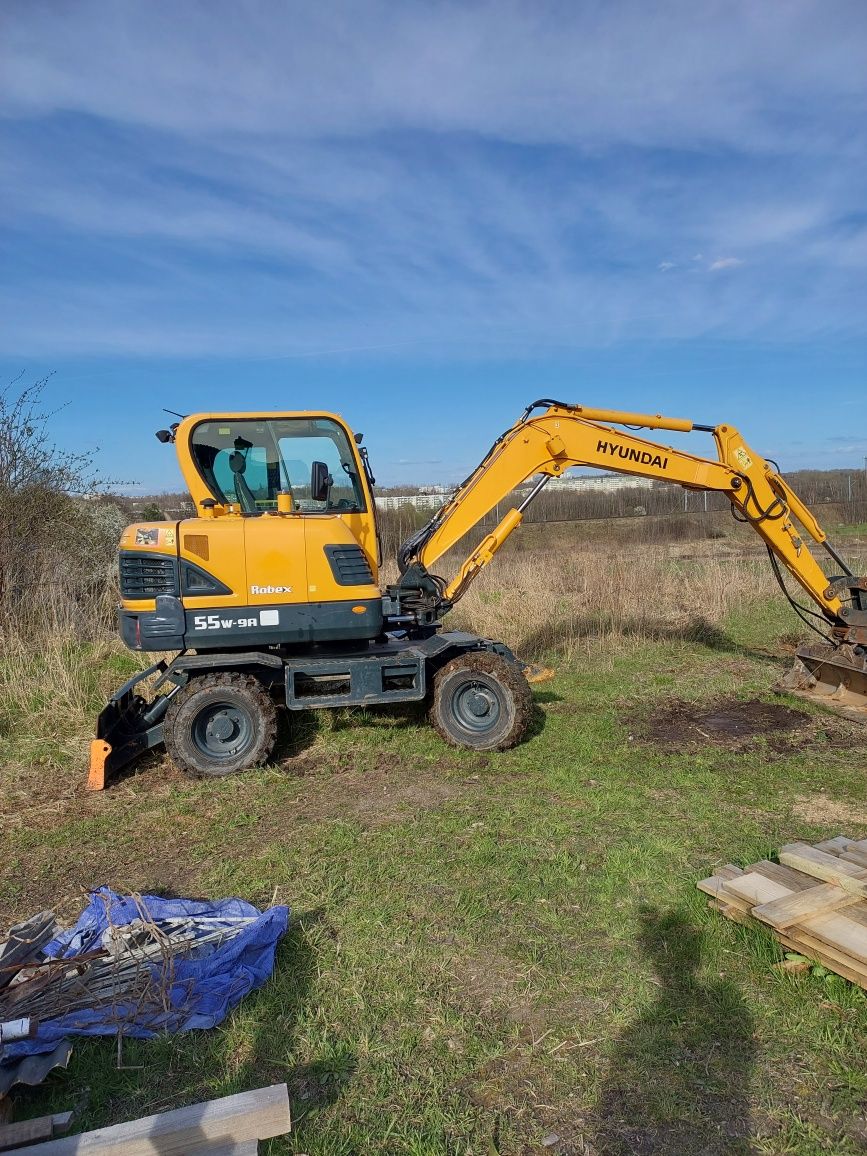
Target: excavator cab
{"type": "Point", "coordinates": [284, 550]}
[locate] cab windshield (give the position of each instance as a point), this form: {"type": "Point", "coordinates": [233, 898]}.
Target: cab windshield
{"type": "Point", "coordinates": [249, 461]}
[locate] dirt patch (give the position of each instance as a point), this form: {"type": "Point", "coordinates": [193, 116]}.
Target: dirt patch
{"type": "Point", "coordinates": [824, 812]}
{"type": "Point", "coordinates": [727, 723]}
{"type": "Point", "coordinates": [382, 793]}
{"type": "Point", "coordinates": [496, 986]}
{"type": "Point", "coordinates": [832, 734]}
{"type": "Point", "coordinates": [374, 800]}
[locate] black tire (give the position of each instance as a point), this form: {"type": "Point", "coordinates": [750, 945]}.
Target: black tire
{"type": "Point", "coordinates": [219, 724]}
{"type": "Point", "coordinates": [481, 701]}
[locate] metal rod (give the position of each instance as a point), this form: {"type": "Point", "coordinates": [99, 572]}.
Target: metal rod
{"type": "Point", "coordinates": [838, 559]}
{"type": "Point", "coordinates": [537, 489]}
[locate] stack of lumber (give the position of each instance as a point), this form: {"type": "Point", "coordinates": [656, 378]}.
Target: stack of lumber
{"type": "Point", "coordinates": [232, 1124]}
{"type": "Point", "coordinates": [814, 900]}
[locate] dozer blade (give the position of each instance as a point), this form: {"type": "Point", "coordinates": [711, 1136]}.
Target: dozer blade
{"type": "Point", "coordinates": [833, 677]}
{"type": "Point", "coordinates": [127, 727]}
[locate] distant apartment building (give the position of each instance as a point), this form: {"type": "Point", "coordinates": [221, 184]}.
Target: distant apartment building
{"type": "Point", "coordinates": [604, 482]}
{"type": "Point", "coordinates": [432, 497]}
{"type": "Point", "coordinates": [424, 501]}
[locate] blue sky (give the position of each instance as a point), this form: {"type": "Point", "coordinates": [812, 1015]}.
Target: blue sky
{"type": "Point", "coordinates": [425, 215]}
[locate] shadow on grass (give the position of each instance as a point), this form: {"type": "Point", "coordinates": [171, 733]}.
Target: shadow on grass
{"type": "Point", "coordinates": [544, 696]}
{"type": "Point", "coordinates": [549, 639]}
{"type": "Point", "coordinates": [679, 1077]}
{"type": "Point", "coordinates": [300, 729]}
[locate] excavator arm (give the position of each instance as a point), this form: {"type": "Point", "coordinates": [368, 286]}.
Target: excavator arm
{"type": "Point", "coordinates": [547, 443]}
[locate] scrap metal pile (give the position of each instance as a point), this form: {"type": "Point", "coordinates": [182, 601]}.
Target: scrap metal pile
{"type": "Point", "coordinates": [132, 966]}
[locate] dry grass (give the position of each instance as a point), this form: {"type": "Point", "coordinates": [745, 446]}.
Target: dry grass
{"type": "Point", "coordinates": [551, 602]}
{"type": "Point", "coordinates": [51, 690]}
{"type": "Point", "coordinates": [60, 660]}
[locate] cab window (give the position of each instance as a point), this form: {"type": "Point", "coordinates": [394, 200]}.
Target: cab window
{"type": "Point", "coordinates": [249, 461]}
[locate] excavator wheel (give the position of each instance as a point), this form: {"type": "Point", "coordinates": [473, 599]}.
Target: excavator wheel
{"type": "Point", "coordinates": [481, 701]}
{"type": "Point", "coordinates": [219, 724]}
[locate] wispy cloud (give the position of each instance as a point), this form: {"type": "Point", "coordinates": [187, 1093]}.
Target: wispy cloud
{"type": "Point", "coordinates": [286, 180]}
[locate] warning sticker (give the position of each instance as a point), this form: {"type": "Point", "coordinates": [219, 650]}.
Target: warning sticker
{"type": "Point", "coordinates": [169, 537]}
{"type": "Point", "coordinates": [149, 537]}
{"type": "Point", "coordinates": [743, 458]}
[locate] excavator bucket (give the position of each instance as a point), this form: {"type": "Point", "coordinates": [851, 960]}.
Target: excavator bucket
{"type": "Point", "coordinates": [833, 677]}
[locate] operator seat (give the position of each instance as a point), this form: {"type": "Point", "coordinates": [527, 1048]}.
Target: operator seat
{"type": "Point", "coordinates": [246, 500]}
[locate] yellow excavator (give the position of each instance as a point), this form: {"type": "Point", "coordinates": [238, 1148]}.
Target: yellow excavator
{"type": "Point", "coordinates": [271, 595]}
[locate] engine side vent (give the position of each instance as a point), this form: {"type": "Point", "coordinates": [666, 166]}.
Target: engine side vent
{"type": "Point", "coordinates": [146, 575]}
{"type": "Point", "coordinates": [349, 565]}
{"type": "Point", "coordinates": [197, 544]}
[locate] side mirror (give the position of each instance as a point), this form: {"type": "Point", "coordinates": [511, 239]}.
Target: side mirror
{"type": "Point", "coordinates": [320, 482]}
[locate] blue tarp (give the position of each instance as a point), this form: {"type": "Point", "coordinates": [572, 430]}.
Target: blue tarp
{"type": "Point", "coordinates": [204, 983]}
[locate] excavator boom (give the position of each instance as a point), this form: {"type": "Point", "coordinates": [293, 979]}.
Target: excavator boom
{"type": "Point", "coordinates": [545, 444]}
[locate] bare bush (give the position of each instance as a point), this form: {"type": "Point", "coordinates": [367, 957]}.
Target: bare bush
{"type": "Point", "coordinates": [57, 536]}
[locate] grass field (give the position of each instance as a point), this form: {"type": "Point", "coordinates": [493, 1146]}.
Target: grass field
{"type": "Point", "coordinates": [487, 951]}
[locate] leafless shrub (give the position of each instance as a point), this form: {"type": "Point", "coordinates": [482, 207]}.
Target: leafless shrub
{"type": "Point", "coordinates": [57, 535]}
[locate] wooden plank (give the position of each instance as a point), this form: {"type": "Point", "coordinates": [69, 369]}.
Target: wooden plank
{"type": "Point", "coordinates": [813, 860]}
{"type": "Point", "coordinates": [31, 1131]}
{"type": "Point", "coordinates": [712, 885]}
{"type": "Point", "coordinates": [824, 866]}
{"type": "Point", "coordinates": [246, 1148]}
{"type": "Point", "coordinates": [797, 939]}
{"type": "Point", "coordinates": [755, 888]}
{"type": "Point", "coordinates": [858, 912]}
{"type": "Point", "coordinates": [256, 1115]}
{"type": "Point", "coordinates": [729, 871]}
{"type": "Point", "coordinates": [833, 846]}
{"type": "Point", "coordinates": [726, 899]}
{"type": "Point", "coordinates": [736, 914]}
{"type": "Point", "coordinates": [802, 905]}
{"type": "Point", "coordinates": [809, 943]}
{"type": "Point", "coordinates": [826, 921]}
{"type": "Point", "coordinates": [788, 876]}
{"type": "Point", "coordinates": [807, 946]}
{"type": "Point", "coordinates": [840, 933]}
